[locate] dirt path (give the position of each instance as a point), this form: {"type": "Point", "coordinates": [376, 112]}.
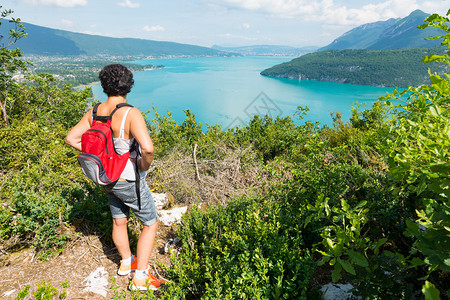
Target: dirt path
{"type": "Point", "coordinates": [81, 257]}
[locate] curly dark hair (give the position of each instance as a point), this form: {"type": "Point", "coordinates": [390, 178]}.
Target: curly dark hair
{"type": "Point", "coordinates": [116, 80]}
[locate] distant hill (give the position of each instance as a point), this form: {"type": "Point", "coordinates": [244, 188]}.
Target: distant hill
{"type": "Point", "coordinates": [385, 53]}
{"type": "Point", "coordinates": [49, 42]}
{"type": "Point", "coordinates": [267, 50]}
{"type": "Point", "coordinates": [390, 34]}
{"type": "Point", "coordinates": [388, 68]}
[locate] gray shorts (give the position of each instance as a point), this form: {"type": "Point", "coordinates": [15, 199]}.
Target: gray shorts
{"type": "Point", "coordinates": [122, 197]}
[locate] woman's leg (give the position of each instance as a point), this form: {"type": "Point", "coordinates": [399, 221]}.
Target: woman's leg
{"type": "Point", "coordinates": [120, 237]}
{"type": "Point", "coordinates": [145, 245]}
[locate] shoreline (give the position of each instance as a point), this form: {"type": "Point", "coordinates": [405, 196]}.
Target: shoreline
{"type": "Point", "coordinates": [83, 86]}
{"type": "Point", "coordinates": [91, 84]}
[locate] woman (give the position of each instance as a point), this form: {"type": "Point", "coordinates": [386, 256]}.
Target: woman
{"type": "Point", "coordinates": [127, 125]}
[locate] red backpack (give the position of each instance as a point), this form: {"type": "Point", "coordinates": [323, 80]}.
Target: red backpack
{"type": "Point", "coordinates": [98, 158]}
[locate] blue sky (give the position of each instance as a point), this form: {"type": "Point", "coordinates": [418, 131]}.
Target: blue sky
{"type": "Point", "coordinates": [222, 22]}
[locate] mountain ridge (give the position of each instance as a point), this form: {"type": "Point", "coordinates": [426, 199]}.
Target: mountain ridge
{"type": "Point", "coordinates": [385, 53]}
{"type": "Point", "coordinates": [47, 41]}
{"type": "Point", "coordinates": [267, 50]}
{"type": "Point", "coordinates": [400, 33]}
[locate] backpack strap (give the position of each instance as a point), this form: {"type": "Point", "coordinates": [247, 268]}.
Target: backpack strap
{"type": "Point", "coordinates": [120, 105]}
{"type": "Point", "coordinates": [94, 112]}
{"type": "Point", "coordinates": [96, 117]}
{"type": "Point", "coordinates": [135, 147]}
{"type": "Point", "coordinates": [106, 118]}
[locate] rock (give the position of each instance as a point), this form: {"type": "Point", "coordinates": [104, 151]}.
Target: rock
{"type": "Point", "coordinates": [170, 201]}
{"type": "Point", "coordinates": [172, 243]}
{"type": "Point", "coordinates": [97, 282]}
{"type": "Point", "coordinates": [8, 293]}
{"type": "Point", "coordinates": [169, 216]}
{"type": "Point", "coordinates": [334, 291]}
{"type": "Point", "coordinates": [160, 199]}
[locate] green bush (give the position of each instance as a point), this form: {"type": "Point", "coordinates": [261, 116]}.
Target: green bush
{"type": "Point", "coordinates": [241, 252]}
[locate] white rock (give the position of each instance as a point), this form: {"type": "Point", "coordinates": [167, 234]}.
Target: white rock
{"type": "Point", "coordinates": [169, 216]}
{"type": "Point", "coordinates": [334, 291]}
{"type": "Point", "coordinates": [8, 293]}
{"type": "Point", "coordinates": [160, 199]}
{"type": "Point", "coordinates": [97, 282]}
{"type": "Point", "coordinates": [173, 215]}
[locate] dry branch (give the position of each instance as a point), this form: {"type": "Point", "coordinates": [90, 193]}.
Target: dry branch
{"type": "Point", "coordinates": [190, 179]}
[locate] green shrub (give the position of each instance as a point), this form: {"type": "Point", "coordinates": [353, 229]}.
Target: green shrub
{"type": "Point", "coordinates": [241, 252]}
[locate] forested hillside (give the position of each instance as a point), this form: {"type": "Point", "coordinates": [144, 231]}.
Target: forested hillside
{"type": "Point", "coordinates": [47, 41]}
{"type": "Point", "coordinates": [284, 207]}
{"type": "Point", "coordinates": [389, 68]}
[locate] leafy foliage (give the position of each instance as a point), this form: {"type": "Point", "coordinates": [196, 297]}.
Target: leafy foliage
{"type": "Point", "coordinates": [364, 201]}
{"type": "Point", "coordinates": [10, 61]}
{"type": "Point", "coordinates": [38, 172]}
{"type": "Point", "coordinates": [241, 251]}
{"type": "Point", "coordinates": [421, 159]}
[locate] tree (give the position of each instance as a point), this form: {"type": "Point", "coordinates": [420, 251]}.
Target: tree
{"type": "Point", "coordinates": [420, 159]}
{"type": "Point", "coordinates": [10, 61]}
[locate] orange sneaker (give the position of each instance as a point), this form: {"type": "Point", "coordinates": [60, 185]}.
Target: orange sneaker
{"type": "Point", "coordinates": [149, 282]}
{"type": "Point", "coordinates": [127, 269]}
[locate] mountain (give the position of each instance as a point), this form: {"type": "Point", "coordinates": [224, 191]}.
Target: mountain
{"type": "Point", "coordinates": [398, 33]}
{"type": "Point", "coordinates": [386, 53]}
{"type": "Point", "coordinates": [267, 50]}
{"type": "Point", "coordinates": [48, 42]}
{"type": "Point", "coordinates": [392, 68]}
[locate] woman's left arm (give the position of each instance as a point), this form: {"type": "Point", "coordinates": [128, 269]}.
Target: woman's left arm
{"type": "Point", "coordinates": [138, 129]}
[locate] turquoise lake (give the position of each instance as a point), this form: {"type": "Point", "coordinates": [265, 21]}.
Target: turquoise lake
{"type": "Point", "coordinates": [230, 90]}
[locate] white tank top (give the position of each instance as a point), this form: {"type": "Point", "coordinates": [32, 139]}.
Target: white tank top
{"type": "Point", "coordinates": [122, 146]}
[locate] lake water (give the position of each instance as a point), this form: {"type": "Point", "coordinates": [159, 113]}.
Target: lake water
{"type": "Point", "coordinates": [230, 90]}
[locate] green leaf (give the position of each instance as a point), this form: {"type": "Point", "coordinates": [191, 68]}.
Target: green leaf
{"type": "Point", "coordinates": [435, 111]}
{"type": "Point", "coordinates": [430, 291]}
{"type": "Point", "coordinates": [422, 186]}
{"type": "Point", "coordinates": [380, 243]}
{"type": "Point", "coordinates": [433, 58]}
{"type": "Point", "coordinates": [336, 274]}
{"type": "Point", "coordinates": [447, 262]}
{"type": "Point", "coordinates": [417, 262]}
{"type": "Point", "coordinates": [330, 243]}
{"type": "Point", "coordinates": [412, 228]}
{"type": "Point", "coordinates": [347, 266]}
{"type": "Point", "coordinates": [358, 258]}
{"type": "Point", "coordinates": [323, 253]}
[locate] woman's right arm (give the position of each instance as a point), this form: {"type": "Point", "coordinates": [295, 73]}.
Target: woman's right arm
{"type": "Point", "coordinates": [73, 138]}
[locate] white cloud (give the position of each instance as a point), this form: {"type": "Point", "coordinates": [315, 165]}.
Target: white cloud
{"type": "Point", "coordinates": [246, 26]}
{"type": "Point", "coordinates": [239, 37]}
{"type": "Point", "coordinates": [153, 28]}
{"type": "Point", "coordinates": [61, 3]}
{"type": "Point", "coordinates": [67, 23]}
{"type": "Point", "coordinates": [276, 7]}
{"type": "Point", "coordinates": [440, 7]}
{"type": "Point", "coordinates": [129, 4]}
{"type": "Point", "coordinates": [328, 12]}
